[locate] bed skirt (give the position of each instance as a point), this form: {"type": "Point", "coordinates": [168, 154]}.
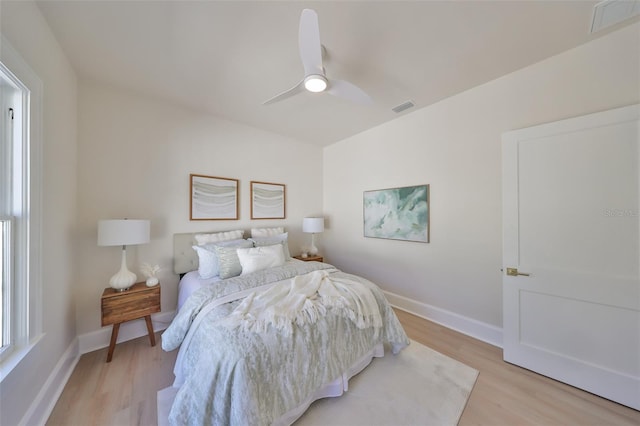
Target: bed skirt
{"type": "Point", "coordinates": [332, 389]}
{"type": "Point", "coordinates": [335, 388]}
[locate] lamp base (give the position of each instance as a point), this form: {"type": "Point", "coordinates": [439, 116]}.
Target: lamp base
{"type": "Point", "coordinates": [124, 278]}
{"type": "Point", "coordinates": [313, 250]}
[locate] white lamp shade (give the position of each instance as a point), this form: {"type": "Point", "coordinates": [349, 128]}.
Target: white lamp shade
{"type": "Point", "coordinates": [313, 225]}
{"type": "Point", "coordinates": [123, 232]}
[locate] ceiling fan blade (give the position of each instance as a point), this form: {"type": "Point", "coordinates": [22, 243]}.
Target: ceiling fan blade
{"type": "Point", "coordinates": [349, 91]}
{"type": "Point", "coordinates": [287, 93]}
{"type": "Point", "coordinates": [309, 43]}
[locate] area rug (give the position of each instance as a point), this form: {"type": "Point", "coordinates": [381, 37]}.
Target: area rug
{"type": "Point", "coordinates": [419, 386]}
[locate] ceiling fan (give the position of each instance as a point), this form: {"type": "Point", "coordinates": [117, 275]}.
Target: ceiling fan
{"type": "Point", "coordinates": [315, 79]}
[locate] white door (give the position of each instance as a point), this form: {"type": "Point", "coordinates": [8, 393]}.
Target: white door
{"type": "Point", "coordinates": [571, 218]}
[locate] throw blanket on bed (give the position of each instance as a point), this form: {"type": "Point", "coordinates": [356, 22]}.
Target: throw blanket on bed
{"type": "Point", "coordinates": [174, 335]}
{"type": "Point", "coordinates": [304, 299]}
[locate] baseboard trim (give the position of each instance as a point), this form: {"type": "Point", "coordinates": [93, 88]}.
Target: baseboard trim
{"type": "Point", "coordinates": [465, 325]}
{"type": "Point", "coordinates": [42, 406]}
{"type": "Point", "coordinates": [129, 330]}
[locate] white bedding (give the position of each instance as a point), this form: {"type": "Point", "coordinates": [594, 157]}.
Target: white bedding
{"type": "Point", "coordinates": [229, 377]}
{"type": "Point", "coordinates": [191, 282]}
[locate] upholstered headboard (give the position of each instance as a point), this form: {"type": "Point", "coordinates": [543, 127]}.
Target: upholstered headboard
{"type": "Point", "coordinates": [185, 258]}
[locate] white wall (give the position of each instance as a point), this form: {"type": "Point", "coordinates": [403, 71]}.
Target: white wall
{"type": "Point", "coordinates": [455, 146]}
{"type": "Point", "coordinates": [25, 29]}
{"type": "Point", "coordinates": [134, 160]}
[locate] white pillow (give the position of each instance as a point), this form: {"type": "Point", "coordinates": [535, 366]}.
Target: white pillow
{"type": "Point", "coordinates": [208, 263]}
{"type": "Point", "coordinates": [274, 239]}
{"type": "Point", "coordinates": [217, 237]}
{"type": "Point", "coordinates": [266, 232]}
{"type": "Point", "coordinates": [259, 258]}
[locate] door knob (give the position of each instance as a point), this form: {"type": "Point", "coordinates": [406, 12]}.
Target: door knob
{"type": "Point", "coordinates": [513, 272]}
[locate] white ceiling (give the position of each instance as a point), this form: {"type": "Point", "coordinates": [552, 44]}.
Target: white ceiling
{"type": "Point", "coordinates": [228, 57]}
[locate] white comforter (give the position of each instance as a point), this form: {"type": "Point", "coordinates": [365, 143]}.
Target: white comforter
{"type": "Point", "coordinates": [235, 370]}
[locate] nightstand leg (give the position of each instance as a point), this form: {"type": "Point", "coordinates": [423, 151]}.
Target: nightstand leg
{"type": "Point", "coordinates": [114, 337]}
{"type": "Point", "coordinates": [152, 337]}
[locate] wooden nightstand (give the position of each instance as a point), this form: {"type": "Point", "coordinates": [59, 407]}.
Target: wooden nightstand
{"type": "Point", "coordinates": [310, 258]}
{"type": "Point", "coordinates": [137, 302]}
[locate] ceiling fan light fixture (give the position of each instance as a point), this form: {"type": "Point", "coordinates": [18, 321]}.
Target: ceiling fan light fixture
{"type": "Point", "coordinates": [315, 83]}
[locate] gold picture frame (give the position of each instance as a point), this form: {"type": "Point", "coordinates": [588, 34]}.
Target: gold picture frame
{"type": "Point", "coordinates": [213, 198]}
{"type": "Point", "coordinates": [268, 200]}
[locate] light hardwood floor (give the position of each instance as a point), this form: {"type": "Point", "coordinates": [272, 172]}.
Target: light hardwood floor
{"type": "Point", "coordinates": [505, 394]}
{"type": "Point", "coordinates": [119, 393]}
{"type": "Point", "coordinates": [123, 392]}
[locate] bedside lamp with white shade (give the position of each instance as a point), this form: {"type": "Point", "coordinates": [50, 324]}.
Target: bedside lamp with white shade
{"type": "Point", "coordinates": [313, 226]}
{"type": "Point", "coordinates": [123, 232]}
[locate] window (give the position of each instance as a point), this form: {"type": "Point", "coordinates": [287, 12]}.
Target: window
{"type": "Point", "coordinates": [13, 205]}
{"type": "Point", "coordinates": [20, 209]}
{"type": "Point", "coordinates": [6, 251]}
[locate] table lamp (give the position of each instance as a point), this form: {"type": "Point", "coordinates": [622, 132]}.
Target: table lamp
{"type": "Point", "coordinates": [313, 226]}
{"type": "Point", "coordinates": [123, 232]}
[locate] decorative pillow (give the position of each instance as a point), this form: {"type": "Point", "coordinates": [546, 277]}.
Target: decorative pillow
{"type": "Point", "coordinates": [274, 239]}
{"type": "Point", "coordinates": [208, 258]}
{"type": "Point", "coordinates": [217, 237]}
{"type": "Point", "coordinates": [207, 261]}
{"type": "Point", "coordinates": [266, 232]}
{"type": "Point", "coordinates": [228, 262]}
{"type": "Point", "coordinates": [259, 258]}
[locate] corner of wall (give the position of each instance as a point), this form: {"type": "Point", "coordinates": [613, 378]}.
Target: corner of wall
{"type": "Point", "coordinates": [465, 325]}
{"type": "Point", "coordinates": [45, 401]}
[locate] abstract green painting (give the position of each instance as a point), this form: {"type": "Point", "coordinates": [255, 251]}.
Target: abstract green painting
{"type": "Point", "coordinates": [397, 213]}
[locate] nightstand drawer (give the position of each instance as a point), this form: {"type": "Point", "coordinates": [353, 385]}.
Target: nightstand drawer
{"type": "Point", "coordinates": [137, 302]}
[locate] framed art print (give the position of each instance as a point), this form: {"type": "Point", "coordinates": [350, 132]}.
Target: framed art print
{"type": "Point", "coordinates": [213, 198]}
{"type": "Point", "coordinates": [397, 213]}
{"type": "Point", "coordinates": [267, 200]}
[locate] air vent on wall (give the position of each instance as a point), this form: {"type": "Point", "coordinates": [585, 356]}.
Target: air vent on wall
{"type": "Point", "coordinates": [610, 12]}
{"type": "Point", "coordinates": [403, 106]}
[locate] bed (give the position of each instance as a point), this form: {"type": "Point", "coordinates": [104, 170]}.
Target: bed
{"type": "Point", "coordinates": [260, 347]}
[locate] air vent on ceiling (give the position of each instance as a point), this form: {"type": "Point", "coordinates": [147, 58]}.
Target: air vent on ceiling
{"type": "Point", "coordinates": [611, 12]}
{"type": "Point", "coordinates": [403, 106]}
